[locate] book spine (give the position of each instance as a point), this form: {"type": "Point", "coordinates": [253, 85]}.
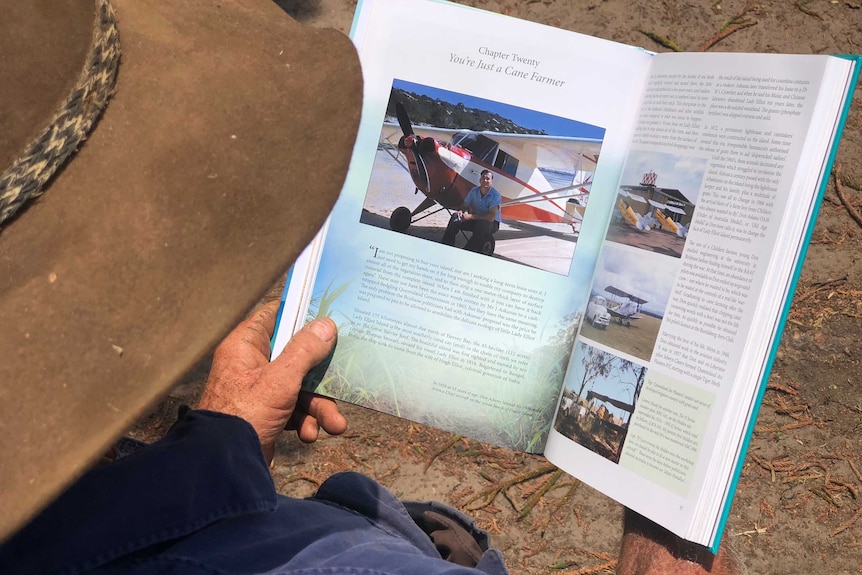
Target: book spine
{"type": "Point", "coordinates": [789, 299]}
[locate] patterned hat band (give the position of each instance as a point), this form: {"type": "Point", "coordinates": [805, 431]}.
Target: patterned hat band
{"type": "Point", "coordinates": [26, 177]}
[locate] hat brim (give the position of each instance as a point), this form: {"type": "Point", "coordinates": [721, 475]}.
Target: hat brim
{"type": "Point", "coordinates": [219, 156]}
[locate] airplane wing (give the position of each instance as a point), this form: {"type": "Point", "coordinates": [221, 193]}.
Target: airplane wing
{"type": "Point", "coordinates": [575, 191]}
{"type": "Point", "coordinates": [618, 292]}
{"type": "Point", "coordinates": [553, 152]}
{"type": "Point", "coordinates": [631, 195]}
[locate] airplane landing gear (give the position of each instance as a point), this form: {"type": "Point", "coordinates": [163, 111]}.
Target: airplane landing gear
{"type": "Point", "coordinates": [402, 217]}
{"type": "Point", "coordinates": [399, 221]}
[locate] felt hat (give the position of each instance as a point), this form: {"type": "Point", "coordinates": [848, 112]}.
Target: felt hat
{"type": "Point", "coordinates": [186, 152]}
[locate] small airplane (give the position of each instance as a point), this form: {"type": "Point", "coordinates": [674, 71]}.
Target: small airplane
{"type": "Point", "coordinates": [664, 220]}
{"type": "Point", "coordinates": [657, 216]}
{"type": "Point", "coordinates": [445, 165]}
{"type": "Point", "coordinates": [627, 310]}
{"type": "Point", "coordinates": [643, 222]}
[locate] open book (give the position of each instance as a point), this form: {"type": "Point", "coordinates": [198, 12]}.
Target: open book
{"type": "Point", "coordinates": [623, 318]}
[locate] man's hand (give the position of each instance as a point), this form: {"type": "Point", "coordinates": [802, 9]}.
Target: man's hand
{"type": "Point", "coordinates": [244, 383]}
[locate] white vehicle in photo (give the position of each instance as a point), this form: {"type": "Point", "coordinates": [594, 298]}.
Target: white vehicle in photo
{"type": "Point", "coordinates": [597, 312]}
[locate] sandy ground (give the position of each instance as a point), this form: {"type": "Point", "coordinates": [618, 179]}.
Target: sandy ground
{"type": "Point", "coordinates": [799, 500]}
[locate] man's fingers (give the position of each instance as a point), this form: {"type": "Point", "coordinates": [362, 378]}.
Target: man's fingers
{"type": "Point", "coordinates": [311, 345]}
{"type": "Point", "coordinates": [325, 412]}
{"type": "Point", "coordinates": [314, 412]}
{"type": "Point", "coordinates": [308, 430]}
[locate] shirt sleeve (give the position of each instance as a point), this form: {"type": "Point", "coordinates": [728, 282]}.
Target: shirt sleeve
{"type": "Point", "coordinates": [207, 467]}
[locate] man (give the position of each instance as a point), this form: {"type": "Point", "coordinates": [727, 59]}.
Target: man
{"type": "Point", "coordinates": [169, 222]}
{"type": "Point", "coordinates": [480, 214]}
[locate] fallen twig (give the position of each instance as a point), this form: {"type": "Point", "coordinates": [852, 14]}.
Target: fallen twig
{"type": "Point", "coordinates": [841, 485]}
{"type": "Point", "coordinates": [805, 10]}
{"type": "Point", "coordinates": [535, 497]}
{"type": "Point", "coordinates": [662, 40]}
{"type": "Point", "coordinates": [855, 471]}
{"type": "Point", "coordinates": [821, 286]}
{"type": "Point", "coordinates": [846, 526]}
{"type": "Point", "coordinates": [802, 478]}
{"type": "Point", "coordinates": [725, 33]}
{"type": "Point", "coordinates": [844, 405]}
{"type": "Point", "coordinates": [609, 566]}
{"type": "Point", "coordinates": [511, 501]}
{"type": "Point", "coordinates": [786, 427]}
{"type": "Point", "coordinates": [546, 518]}
{"type": "Point", "coordinates": [839, 189]}
{"type": "Point", "coordinates": [391, 470]}
{"type": "Point", "coordinates": [567, 497]}
{"type": "Point", "coordinates": [358, 461]}
{"type": "Point", "coordinates": [298, 477]}
{"type": "Point", "coordinates": [789, 389]}
{"type": "Point", "coordinates": [756, 531]}
{"type": "Point", "coordinates": [488, 495]}
{"type": "Point", "coordinates": [452, 441]}
{"type": "Point", "coordinates": [785, 465]}
{"type": "Point", "coordinates": [821, 493]}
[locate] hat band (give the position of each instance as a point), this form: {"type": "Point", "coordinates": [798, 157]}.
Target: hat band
{"type": "Point", "coordinates": [27, 176]}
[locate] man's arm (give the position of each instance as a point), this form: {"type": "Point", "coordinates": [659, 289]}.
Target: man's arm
{"type": "Point", "coordinates": [244, 383]}
{"type": "Point", "coordinates": [488, 216]}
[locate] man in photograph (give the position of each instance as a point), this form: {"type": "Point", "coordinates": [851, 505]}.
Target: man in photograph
{"type": "Point", "coordinates": [480, 214]}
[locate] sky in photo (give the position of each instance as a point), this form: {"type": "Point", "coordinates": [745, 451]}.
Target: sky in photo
{"type": "Point", "coordinates": [551, 125]}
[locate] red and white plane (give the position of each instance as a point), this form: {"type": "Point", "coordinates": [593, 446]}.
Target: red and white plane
{"type": "Point", "coordinates": [445, 164]}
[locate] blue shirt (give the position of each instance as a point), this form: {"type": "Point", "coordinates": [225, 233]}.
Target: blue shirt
{"type": "Point", "coordinates": [483, 205]}
{"type": "Point", "coordinates": [202, 500]}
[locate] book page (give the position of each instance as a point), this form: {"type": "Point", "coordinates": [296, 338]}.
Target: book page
{"type": "Point", "coordinates": [437, 333]}
{"type": "Point", "coordinates": [711, 211]}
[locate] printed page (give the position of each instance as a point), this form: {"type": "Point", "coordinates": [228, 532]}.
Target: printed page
{"type": "Point", "coordinates": [471, 341]}
{"type": "Point", "coordinates": [710, 216]}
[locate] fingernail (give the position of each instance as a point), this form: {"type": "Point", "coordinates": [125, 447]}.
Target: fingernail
{"type": "Point", "coordinates": [324, 329]}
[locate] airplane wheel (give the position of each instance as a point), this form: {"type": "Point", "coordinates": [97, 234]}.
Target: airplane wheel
{"type": "Point", "coordinates": [488, 246]}
{"type": "Point", "coordinates": [399, 221]}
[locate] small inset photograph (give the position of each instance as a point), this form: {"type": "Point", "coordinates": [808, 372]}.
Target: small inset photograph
{"type": "Point", "coordinates": [655, 202]}
{"type": "Point", "coordinates": [628, 299]}
{"type": "Point", "coordinates": [483, 176]}
{"type": "Point", "coordinates": [600, 396]}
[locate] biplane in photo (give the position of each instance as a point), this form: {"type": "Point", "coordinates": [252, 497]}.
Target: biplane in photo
{"type": "Point", "coordinates": [626, 310]}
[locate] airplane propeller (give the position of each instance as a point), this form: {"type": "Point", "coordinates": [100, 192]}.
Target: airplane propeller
{"type": "Point", "coordinates": [403, 119]}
